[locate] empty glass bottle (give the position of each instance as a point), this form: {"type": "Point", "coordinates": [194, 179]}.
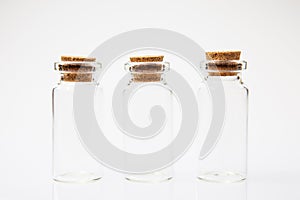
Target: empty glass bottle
{"type": "Point", "coordinates": [223, 157]}
{"type": "Point", "coordinates": [146, 90]}
{"type": "Point", "coordinates": [71, 162]}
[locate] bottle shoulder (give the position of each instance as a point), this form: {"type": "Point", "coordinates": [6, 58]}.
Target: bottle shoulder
{"type": "Point", "coordinates": [146, 84]}
{"type": "Point", "coordinates": [75, 84]}
{"type": "Point", "coordinates": [245, 88]}
{"type": "Point", "coordinates": [70, 87]}
{"type": "Point", "coordinates": [147, 87]}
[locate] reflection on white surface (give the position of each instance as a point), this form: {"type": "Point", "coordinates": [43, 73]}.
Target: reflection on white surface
{"type": "Point", "coordinates": [170, 190]}
{"type": "Point", "coordinates": [148, 191]}
{"type": "Point", "coordinates": [68, 191]}
{"type": "Point", "coordinates": [116, 187]}
{"type": "Point", "coordinates": [224, 191]}
{"type": "Point", "coordinates": [112, 187]}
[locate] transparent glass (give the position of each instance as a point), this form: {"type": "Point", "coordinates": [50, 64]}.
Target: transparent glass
{"type": "Point", "coordinates": [147, 89]}
{"type": "Point", "coordinates": [71, 162]}
{"type": "Point", "coordinates": [227, 160]}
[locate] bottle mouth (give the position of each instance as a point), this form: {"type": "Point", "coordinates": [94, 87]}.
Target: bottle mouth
{"type": "Point", "coordinates": [224, 67]}
{"type": "Point", "coordinates": [77, 67]}
{"type": "Point", "coordinates": [147, 67]}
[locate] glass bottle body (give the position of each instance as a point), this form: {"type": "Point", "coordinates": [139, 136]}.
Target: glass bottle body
{"type": "Point", "coordinates": [144, 94]}
{"type": "Point", "coordinates": [71, 162]}
{"type": "Point", "coordinates": [227, 160]}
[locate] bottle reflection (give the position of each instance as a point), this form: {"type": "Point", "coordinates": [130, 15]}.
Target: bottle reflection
{"type": "Point", "coordinates": [224, 191]}
{"type": "Point", "coordinates": [68, 191]}
{"type": "Point", "coordinates": [148, 191]}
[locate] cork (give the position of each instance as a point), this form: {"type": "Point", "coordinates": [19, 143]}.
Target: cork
{"type": "Point", "coordinates": [146, 77]}
{"type": "Point", "coordinates": [147, 67]}
{"type": "Point", "coordinates": [72, 77]}
{"type": "Point", "coordinates": [149, 70]}
{"type": "Point", "coordinates": [79, 71]}
{"type": "Point", "coordinates": [75, 67]}
{"type": "Point", "coordinates": [223, 55]}
{"type": "Point", "coordinates": [225, 63]}
{"type": "Point", "coordinates": [147, 59]}
{"type": "Point", "coordinates": [77, 59]}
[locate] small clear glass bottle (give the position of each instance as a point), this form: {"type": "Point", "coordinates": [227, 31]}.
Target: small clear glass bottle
{"type": "Point", "coordinates": [147, 89]}
{"type": "Point", "coordinates": [225, 158]}
{"type": "Point", "coordinates": [71, 162]}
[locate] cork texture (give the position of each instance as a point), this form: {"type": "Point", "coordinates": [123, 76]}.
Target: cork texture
{"type": "Point", "coordinates": [147, 72]}
{"type": "Point", "coordinates": [73, 77]}
{"type": "Point", "coordinates": [77, 59]}
{"type": "Point", "coordinates": [147, 59]}
{"type": "Point", "coordinates": [69, 67]}
{"type": "Point", "coordinates": [146, 77]}
{"type": "Point", "coordinates": [224, 64]}
{"type": "Point", "coordinates": [223, 55]}
{"type": "Point", "coordinates": [79, 71]}
{"type": "Point", "coordinates": [147, 67]}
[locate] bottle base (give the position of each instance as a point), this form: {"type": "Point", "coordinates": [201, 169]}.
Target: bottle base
{"type": "Point", "coordinates": [149, 178]}
{"type": "Point", "coordinates": [77, 177]}
{"type": "Point", "coordinates": [221, 177]}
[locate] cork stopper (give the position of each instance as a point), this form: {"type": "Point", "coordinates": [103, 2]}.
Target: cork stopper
{"type": "Point", "coordinates": [77, 59]}
{"type": "Point", "coordinates": [149, 69]}
{"type": "Point", "coordinates": [223, 55]}
{"type": "Point", "coordinates": [71, 77]}
{"type": "Point", "coordinates": [224, 63]}
{"type": "Point", "coordinates": [147, 59]}
{"type": "Point", "coordinates": [76, 68]}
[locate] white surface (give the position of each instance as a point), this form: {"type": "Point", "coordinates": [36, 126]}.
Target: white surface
{"type": "Point", "coordinates": [35, 33]}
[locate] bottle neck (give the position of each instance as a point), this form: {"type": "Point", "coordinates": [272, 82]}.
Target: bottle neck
{"type": "Point", "coordinates": [147, 72]}
{"type": "Point", "coordinates": [77, 71]}
{"type": "Point", "coordinates": [237, 77]}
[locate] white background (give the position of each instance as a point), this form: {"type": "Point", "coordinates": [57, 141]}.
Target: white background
{"type": "Point", "coordinates": [35, 33]}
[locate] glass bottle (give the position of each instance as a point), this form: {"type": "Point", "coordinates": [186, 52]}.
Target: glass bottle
{"type": "Point", "coordinates": [71, 162]}
{"type": "Point", "coordinates": [223, 157]}
{"type": "Point", "coordinates": [147, 89]}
